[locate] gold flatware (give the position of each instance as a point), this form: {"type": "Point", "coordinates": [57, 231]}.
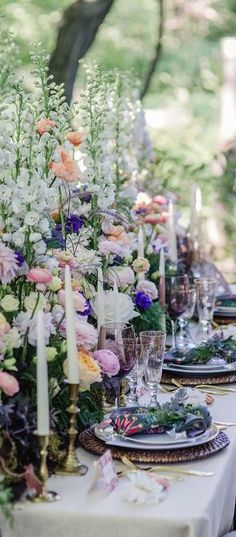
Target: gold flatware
{"type": "Point", "coordinates": [216, 388]}
{"type": "Point", "coordinates": [171, 469]}
{"type": "Point", "coordinates": [182, 471]}
{"type": "Point", "coordinates": [176, 383]}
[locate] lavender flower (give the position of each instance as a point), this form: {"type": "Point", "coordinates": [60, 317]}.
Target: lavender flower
{"type": "Point", "coordinates": [19, 258]}
{"type": "Point", "coordinates": [8, 264]}
{"type": "Point", "coordinates": [143, 301]}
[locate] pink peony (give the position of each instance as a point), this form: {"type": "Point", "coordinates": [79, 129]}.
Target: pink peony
{"type": "Point", "coordinates": [8, 384]}
{"type": "Point", "coordinates": [154, 218]}
{"type": "Point", "coordinates": [122, 276]}
{"type": "Point", "coordinates": [148, 288]}
{"type": "Point", "coordinates": [39, 275]}
{"type": "Point", "coordinates": [110, 247]}
{"type": "Point", "coordinates": [86, 335]}
{"type": "Point", "coordinates": [8, 264]}
{"type": "Point", "coordinates": [108, 362]}
{"type": "Point", "coordinates": [80, 303]}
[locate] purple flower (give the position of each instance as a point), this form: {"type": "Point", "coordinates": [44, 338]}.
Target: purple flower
{"type": "Point", "coordinates": [143, 301]}
{"type": "Point", "coordinates": [56, 240]}
{"type": "Point", "coordinates": [87, 309]}
{"type": "Point", "coordinates": [74, 223]}
{"type": "Point", "coordinates": [19, 258]}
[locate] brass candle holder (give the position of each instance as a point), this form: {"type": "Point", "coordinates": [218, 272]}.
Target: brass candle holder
{"type": "Point", "coordinates": [45, 495]}
{"type": "Point", "coordinates": [71, 465]}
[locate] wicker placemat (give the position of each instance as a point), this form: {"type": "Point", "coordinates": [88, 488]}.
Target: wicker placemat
{"type": "Point", "coordinates": [224, 320]}
{"type": "Point", "coordinates": [200, 379]}
{"type": "Point", "coordinates": [91, 443]}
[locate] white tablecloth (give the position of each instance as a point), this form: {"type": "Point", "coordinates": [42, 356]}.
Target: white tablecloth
{"type": "Point", "coordinates": [195, 507]}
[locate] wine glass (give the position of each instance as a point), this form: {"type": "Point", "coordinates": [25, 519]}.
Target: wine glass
{"type": "Point", "coordinates": [206, 289]}
{"type": "Point", "coordinates": [176, 300]}
{"type": "Point", "coordinates": [153, 345]}
{"type": "Point", "coordinates": [140, 366]}
{"type": "Point", "coordinates": [184, 340]}
{"type": "Point", "coordinates": [119, 337]}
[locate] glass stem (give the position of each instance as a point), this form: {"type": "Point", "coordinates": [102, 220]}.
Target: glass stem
{"type": "Point", "coordinates": [153, 395]}
{"type": "Point", "coordinates": [183, 333]}
{"type": "Point", "coordinates": [173, 327]}
{"type": "Point", "coordinates": [205, 325]}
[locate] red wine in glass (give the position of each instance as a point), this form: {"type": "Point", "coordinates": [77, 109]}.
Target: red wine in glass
{"type": "Point", "coordinates": [177, 288]}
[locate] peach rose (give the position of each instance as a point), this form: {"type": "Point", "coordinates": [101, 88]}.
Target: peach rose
{"type": "Point", "coordinates": [39, 275]}
{"type": "Point", "coordinates": [154, 218]}
{"type": "Point", "coordinates": [66, 258]}
{"type": "Point", "coordinates": [8, 384]}
{"type": "Point", "coordinates": [122, 238]}
{"type": "Point", "coordinates": [66, 169]}
{"type": "Point", "coordinates": [80, 303]}
{"type": "Point", "coordinates": [44, 125]}
{"type": "Point", "coordinates": [141, 265]}
{"type": "Point", "coordinates": [75, 137]}
{"type": "Point", "coordinates": [89, 370]}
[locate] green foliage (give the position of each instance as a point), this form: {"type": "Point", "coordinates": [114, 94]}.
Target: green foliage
{"type": "Point", "coordinates": [151, 319]}
{"type": "Point", "coordinates": [5, 499]}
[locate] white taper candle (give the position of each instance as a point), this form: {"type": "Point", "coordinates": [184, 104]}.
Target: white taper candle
{"type": "Point", "coordinates": [73, 367]}
{"type": "Point", "coordinates": [100, 300]}
{"type": "Point", "coordinates": [42, 380]}
{"type": "Point", "coordinates": [172, 234]}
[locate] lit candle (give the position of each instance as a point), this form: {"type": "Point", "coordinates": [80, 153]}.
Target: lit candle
{"type": "Point", "coordinates": [195, 227]}
{"type": "Point", "coordinates": [42, 380]}
{"type": "Point", "coordinates": [100, 300]}
{"type": "Point", "coordinates": [73, 368]}
{"type": "Point", "coordinates": [116, 304]}
{"type": "Point", "coordinates": [162, 283]}
{"type": "Point", "coordinates": [140, 242]}
{"type": "Point", "coordinates": [172, 234]}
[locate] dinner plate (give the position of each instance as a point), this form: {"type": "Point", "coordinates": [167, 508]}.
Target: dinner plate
{"type": "Point", "coordinates": [158, 442]}
{"type": "Point", "coordinates": [202, 370]}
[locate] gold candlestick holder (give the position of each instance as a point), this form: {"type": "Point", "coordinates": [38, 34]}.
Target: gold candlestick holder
{"type": "Point", "coordinates": [71, 465]}
{"type": "Point", "coordinates": [45, 495]}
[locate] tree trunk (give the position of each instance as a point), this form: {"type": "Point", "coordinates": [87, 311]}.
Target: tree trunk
{"type": "Point", "coordinates": [77, 31]}
{"type": "Point", "coordinates": [158, 50]}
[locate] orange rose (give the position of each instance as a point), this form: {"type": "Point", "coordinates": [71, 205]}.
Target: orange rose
{"type": "Point", "coordinates": [89, 369]}
{"type": "Point", "coordinates": [44, 125]}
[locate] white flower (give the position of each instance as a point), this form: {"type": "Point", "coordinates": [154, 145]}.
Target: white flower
{"type": "Point", "coordinates": [9, 303]}
{"type": "Point", "coordinates": [21, 322]}
{"type": "Point", "coordinates": [32, 218]}
{"type": "Point", "coordinates": [12, 340]}
{"type": "Point", "coordinates": [126, 306]}
{"type": "Point", "coordinates": [123, 276]}
{"type": "Point", "coordinates": [49, 329]}
{"type": "Point", "coordinates": [35, 237]}
{"type": "Point", "coordinates": [32, 299]}
{"type": "Point", "coordinates": [87, 259]}
{"type": "Point", "coordinates": [143, 489]}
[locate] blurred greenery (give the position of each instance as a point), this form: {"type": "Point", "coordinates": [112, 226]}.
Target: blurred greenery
{"type": "Point", "coordinates": [184, 93]}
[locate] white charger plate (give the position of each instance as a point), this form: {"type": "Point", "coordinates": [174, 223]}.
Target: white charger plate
{"type": "Point", "coordinates": [199, 369]}
{"type": "Point", "coordinates": [159, 441]}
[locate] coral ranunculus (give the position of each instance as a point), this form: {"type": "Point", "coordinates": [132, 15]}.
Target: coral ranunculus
{"type": "Point", "coordinates": [66, 169]}
{"type": "Point", "coordinates": [39, 275]}
{"type": "Point", "coordinates": [8, 384]}
{"type": "Point", "coordinates": [75, 137]}
{"type": "Point", "coordinates": [44, 125]}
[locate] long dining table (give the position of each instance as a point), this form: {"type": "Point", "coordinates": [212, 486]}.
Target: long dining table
{"type": "Point", "coordinates": [193, 507]}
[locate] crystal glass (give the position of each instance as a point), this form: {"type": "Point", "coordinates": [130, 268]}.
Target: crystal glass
{"type": "Point", "coordinates": [140, 366]}
{"type": "Point", "coordinates": [206, 289]}
{"type": "Point", "coordinates": [153, 345]}
{"type": "Point", "coordinates": [184, 340]}
{"type": "Point", "coordinates": [176, 300]}
{"type": "Point", "coordinates": [120, 339]}
{"type": "Point", "coordinates": [127, 354]}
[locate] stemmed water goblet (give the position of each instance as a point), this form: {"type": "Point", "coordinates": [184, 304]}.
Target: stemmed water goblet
{"type": "Point", "coordinates": [206, 289]}
{"type": "Point", "coordinates": [120, 339]}
{"type": "Point", "coordinates": [153, 347]}
{"type": "Point", "coordinates": [177, 288]}
{"type": "Point", "coordinates": [184, 340]}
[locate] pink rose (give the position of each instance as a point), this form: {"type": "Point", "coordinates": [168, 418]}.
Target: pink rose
{"type": "Point", "coordinates": [154, 218]}
{"type": "Point", "coordinates": [39, 275]}
{"type": "Point", "coordinates": [8, 384]}
{"type": "Point", "coordinates": [80, 303]}
{"type": "Point", "coordinates": [108, 362]}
